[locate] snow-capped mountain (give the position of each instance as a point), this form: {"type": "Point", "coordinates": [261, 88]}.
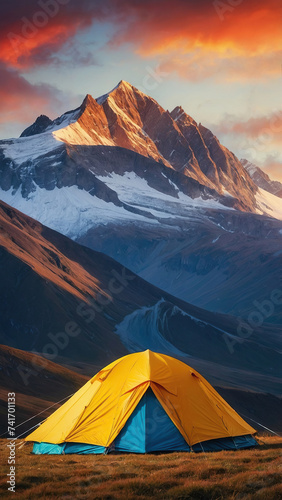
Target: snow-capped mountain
{"type": "Point", "coordinates": [129, 156]}
{"type": "Point", "coordinates": [261, 179]}
{"type": "Point", "coordinates": [128, 118]}
{"type": "Point", "coordinates": [181, 155]}
{"type": "Point", "coordinates": [153, 189]}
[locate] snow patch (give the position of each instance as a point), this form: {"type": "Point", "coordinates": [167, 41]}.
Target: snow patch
{"type": "Point", "coordinates": [179, 116]}
{"type": "Point", "coordinates": [29, 148]}
{"type": "Point", "coordinates": [69, 210]}
{"type": "Point", "coordinates": [134, 190]}
{"type": "Point", "coordinates": [269, 204]}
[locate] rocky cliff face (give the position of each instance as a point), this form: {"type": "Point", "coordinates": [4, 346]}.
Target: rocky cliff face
{"type": "Point", "coordinates": [39, 126]}
{"type": "Point", "coordinates": [261, 179]}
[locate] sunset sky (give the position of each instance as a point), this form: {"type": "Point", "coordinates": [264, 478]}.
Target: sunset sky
{"type": "Point", "coordinates": [220, 60]}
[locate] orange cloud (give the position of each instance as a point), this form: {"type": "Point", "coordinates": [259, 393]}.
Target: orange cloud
{"type": "Point", "coordinates": [270, 125]}
{"type": "Point", "coordinates": [18, 51]}
{"type": "Point", "coordinates": [20, 100]}
{"type": "Point", "coordinates": [31, 32]}
{"type": "Point", "coordinates": [257, 139]}
{"type": "Point", "coordinates": [200, 65]}
{"type": "Point", "coordinates": [203, 39]}
{"type": "Point", "coordinates": [157, 27]}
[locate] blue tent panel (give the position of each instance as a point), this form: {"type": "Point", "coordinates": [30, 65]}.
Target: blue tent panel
{"type": "Point", "coordinates": [66, 448]}
{"type": "Point", "coordinates": [229, 443]}
{"type": "Point", "coordinates": [149, 429]}
{"type": "Point", "coordinates": [83, 449]}
{"type": "Point", "coordinates": [132, 437]}
{"type": "Point", "coordinates": [47, 449]}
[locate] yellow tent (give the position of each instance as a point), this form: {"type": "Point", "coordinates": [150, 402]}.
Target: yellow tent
{"type": "Point", "coordinates": [143, 402]}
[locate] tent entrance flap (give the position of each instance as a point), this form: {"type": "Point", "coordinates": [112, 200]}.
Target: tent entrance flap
{"type": "Point", "coordinates": [149, 429]}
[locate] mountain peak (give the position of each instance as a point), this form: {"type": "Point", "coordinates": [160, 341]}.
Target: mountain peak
{"type": "Point", "coordinates": [87, 101]}
{"type": "Point", "coordinates": [39, 126]}
{"type": "Point", "coordinates": [121, 86]}
{"type": "Point", "coordinates": [125, 86]}
{"type": "Point", "coordinates": [261, 179]}
{"type": "Point", "coordinates": [177, 110]}
{"type": "Point", "coordinates": [179, 113]}
{"type": "Point", "coordinates": [124, 83]}
{"type": "Point", "coordinates": [89, 97]}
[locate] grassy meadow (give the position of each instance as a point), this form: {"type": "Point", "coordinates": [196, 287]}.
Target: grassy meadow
{"type": "Point", "coordinates": [247, 474]}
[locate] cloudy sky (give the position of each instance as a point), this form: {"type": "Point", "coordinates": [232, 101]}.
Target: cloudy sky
{"type": "Point", "coordinates": [221, 60]}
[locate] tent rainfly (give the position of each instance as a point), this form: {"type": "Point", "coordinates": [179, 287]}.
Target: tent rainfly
{"type": "Point", "coordinates": [141, 403]}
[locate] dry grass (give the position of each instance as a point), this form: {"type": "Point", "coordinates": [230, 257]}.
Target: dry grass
{"type": "Point", "coordinates": [248, 474]}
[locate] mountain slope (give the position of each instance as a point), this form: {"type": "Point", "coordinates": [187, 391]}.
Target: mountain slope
{"type": "Point", "coordinates": [79, 306]}
{"type": "Point", "coordinates": [37, 383]}
{"type": "Point", "coordinates": [220, 260]}
{"type": "Point", "coordinates": [261, 179]}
